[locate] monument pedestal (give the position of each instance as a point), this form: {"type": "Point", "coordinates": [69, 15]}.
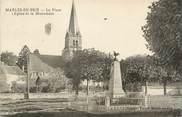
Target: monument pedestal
{"type": "Point", "coordinates": [115, 83]}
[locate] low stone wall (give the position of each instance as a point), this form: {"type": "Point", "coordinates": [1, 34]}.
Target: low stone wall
{"type": "Point", "coordinates": [123, 108]}
{"type": "Point", "coordinates": [165, 102]}
{"type": "Point", "coordinates": [34, 95]}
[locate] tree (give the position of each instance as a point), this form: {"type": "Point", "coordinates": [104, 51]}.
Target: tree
{"type": "Point", "coordinates": [72, 71]}
{"type": "Point", "coordinates": [144, 69]}
{"type": "Point", "coordinates": [163, 32]}
{"type": "Point", "coordinates": [164, 75]}
{"type": "Point", "coordinates": [96, 66]}
{"type": "Point", "coordinates": [106, 70]}
{"type": "Point", "coordinates": [22, 59]}
{"type": "Point", "coordinates": [9, 58]}
{"type": "Point", "coordinates": [89, 64]}
{"type": "Point", "coordinates": [137, 70]}
{"type": "Point", "coordinates": [36, 52]}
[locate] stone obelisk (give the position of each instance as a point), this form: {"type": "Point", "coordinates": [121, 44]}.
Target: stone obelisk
{"type": "Point", "coordinates": [115, 83]}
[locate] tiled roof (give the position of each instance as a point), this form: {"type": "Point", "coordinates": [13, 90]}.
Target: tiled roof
{"type": "Point", "coordinates": [46, 63]}
{"type": "Point", "coordinates": [15, 70]}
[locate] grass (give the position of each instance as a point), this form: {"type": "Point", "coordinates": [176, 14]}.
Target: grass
{"type": "Point", "coordinates": [58, 108]}
{"type": "Point", "coordinates": [72, 113]}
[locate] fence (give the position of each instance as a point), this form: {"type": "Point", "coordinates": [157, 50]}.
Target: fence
{"type": "Point", "coordinates": [174, 102]}
{"type": "Point", "coordinates": [159, 101]}
{"type": "Point", "coordinates": [34, 95]}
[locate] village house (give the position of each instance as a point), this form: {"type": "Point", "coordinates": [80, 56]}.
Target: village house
{"type": "Point", "coordinates": [49, 70]}
{"type": "Point", "coordinates": [12, 78]}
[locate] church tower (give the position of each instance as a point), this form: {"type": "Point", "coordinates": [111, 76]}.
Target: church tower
{"type": "Point", "coordinates": [73, 40]}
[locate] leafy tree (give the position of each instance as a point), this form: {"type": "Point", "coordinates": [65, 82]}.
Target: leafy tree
{"type": "Point", "coordinates": [72, 71]}
{"type": "Point", "coordinates": [106, 70]}
{"type": "Point", "coordinates": [144, 69]}
{"type": "Point", "coordinates": [36, 52]}
{"type": "Point", "coordinates": [163, 32]}
{"type": "Point", "coordinates": [89, 64]}
{"type": "Point", "coordinates": [164, 75]}
{"type": "Point", "coordinates": [22, 59]}
{"type": "Point", "coordinates": [137, 70]}
{"type": "Point", "coordinates": [9, 58]}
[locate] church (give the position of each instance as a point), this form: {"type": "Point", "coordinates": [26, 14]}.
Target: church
{"type": "Point", "coordinates": [49, 67]}
{"type": "Point", "coordinates": [73, 41]}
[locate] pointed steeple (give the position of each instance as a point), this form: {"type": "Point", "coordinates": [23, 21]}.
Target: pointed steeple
{"type": "Point", "coordinates": [73, 41]}
{"type": "Point", "coordinates": [73, 24]}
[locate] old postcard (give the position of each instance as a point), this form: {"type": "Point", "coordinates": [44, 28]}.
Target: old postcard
{"type": "Point", "coordinates": [72, 58]}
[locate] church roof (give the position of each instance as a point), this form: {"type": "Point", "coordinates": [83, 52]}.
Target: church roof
{"type": "Point", "coordinates": [52, 60]}
{"type": "Point", "coordinates": [73, 24]}
{"type": "Point", "coordinates": [46, 63]}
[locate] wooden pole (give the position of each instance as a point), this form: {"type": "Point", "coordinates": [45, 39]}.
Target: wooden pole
{"type": "Point", "coordinates": [0, 33]}
{"type": "Point", "coordinates": [87, 93]}
{"type": "Point", "coordinates": [27, 80]}
{"type": "Point", "coordinates": [146, 85]}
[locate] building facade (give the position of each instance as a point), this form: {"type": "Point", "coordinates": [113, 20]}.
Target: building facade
{"type": "Point", "coordinates": [11, 79]}
{"type": "Point", "coordinates": [49, 70]}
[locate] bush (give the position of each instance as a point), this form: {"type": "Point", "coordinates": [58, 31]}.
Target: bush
{"type": "Point", "coordinates": [60, 89]}
{"type": "Point", "coordinates": [32, 89]}
{"type": "Point", "coordinates": [45, 89]}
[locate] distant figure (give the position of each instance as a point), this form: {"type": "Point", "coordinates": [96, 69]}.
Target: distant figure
{"type": "Point", "coordinates": [38, 83]}
{"type": "Point", "coordinates": [115, 55]}
{"type": "Point", "coordinates": [48, 28]}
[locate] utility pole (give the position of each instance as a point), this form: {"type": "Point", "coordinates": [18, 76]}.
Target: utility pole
{"type": "Point", "coordinates": [87, 93]}
{"type": "Point", "coordinates": [0, 33]}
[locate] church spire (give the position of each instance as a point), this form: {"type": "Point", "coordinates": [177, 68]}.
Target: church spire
{"type": "Point", "coordinates": [73, 41]}
{"type": "Point", "coordinates": [73, 24]}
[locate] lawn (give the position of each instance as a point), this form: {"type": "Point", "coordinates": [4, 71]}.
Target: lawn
{"type": "Point", "coordinates": [71, 113]}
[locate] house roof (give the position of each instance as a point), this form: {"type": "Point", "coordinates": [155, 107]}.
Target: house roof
{"type": "Point", "coordinates": [14, 70]}
{"type": "Point", "coordinates": [46, 63]}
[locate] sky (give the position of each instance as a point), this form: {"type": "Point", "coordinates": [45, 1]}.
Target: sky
{"type": "Point", "coordinates": [121, 31]}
